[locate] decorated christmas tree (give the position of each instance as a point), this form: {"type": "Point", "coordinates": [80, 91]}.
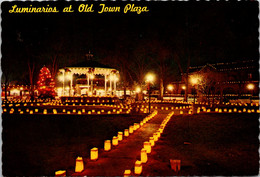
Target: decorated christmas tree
{"type": "Point", "coordinates": [46, 83]}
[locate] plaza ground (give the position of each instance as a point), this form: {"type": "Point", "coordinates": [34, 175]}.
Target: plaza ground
{"type": "Point", "coordinates": [206, 144]}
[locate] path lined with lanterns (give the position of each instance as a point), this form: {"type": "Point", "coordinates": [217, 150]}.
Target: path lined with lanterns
{"type": "Point", "coordinates": [122, 154]}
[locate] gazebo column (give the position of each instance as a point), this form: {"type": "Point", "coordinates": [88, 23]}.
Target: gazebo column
{"type": "Point", "coordinates": [71, 84]}
{"type": "Point", "coordinates": [63, 84]}
{"type": "Point", "coordinates": [88, 82]}
{"type": "Point", "coordinates": [105, 84]}
{"type": "Point", "coordinates": [110, 79]}
{"type": "Point", "coordinates": [115, 86]}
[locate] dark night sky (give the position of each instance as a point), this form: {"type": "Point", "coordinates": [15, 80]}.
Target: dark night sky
{"type": "Point", "coordinates": [216, 32]}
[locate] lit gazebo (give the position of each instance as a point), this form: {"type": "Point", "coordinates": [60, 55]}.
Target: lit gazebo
{"type": "Point", "coordinates": [98, 79]}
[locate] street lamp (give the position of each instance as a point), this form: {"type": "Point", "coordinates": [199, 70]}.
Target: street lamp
{"type": "Point", "coordinates": [194, 81]}
{"type": "Point", "coordinates": [149, 79]}
{"type": "Point", "coordinates": [251, 87]}
{"type": "Point", "coordinates": [170, 88]}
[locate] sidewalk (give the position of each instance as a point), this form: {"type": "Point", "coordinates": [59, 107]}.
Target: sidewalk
{"type": "Point", "coordinates": [123, 156]}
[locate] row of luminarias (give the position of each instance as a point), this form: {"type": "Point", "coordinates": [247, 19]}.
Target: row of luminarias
{"type": "Point", "coordinates": [74, 111]}
{"type": "Point", "coordinates": [147, 148]}
{"type": "Point", "coordinates": [26, 102]}
{"type": "Point", "coordinates": [205, 103]}
{"type": "Point", "coordinates": [10, 104]}
{"type": "Point", "coordinates": [79, 166]}
{"type": "Point", "coordinates": [83, 111]}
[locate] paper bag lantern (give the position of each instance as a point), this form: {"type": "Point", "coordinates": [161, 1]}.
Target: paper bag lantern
{"type": "Point", "coordinates": [143, 156]}
{"type": "Point", "coordinates": [60, 173]}
{"type": "Point", "coordinates": [107, 145]}
{"type": "Point", "coordinates": [79, 165]}
{"type": "Point", "coordinates": [94, 154]}
{"type": "Point", "coordinates": [138, 167]}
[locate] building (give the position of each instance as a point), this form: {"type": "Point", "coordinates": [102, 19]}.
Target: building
{"type": "Point", "coordinates": [234, 80]}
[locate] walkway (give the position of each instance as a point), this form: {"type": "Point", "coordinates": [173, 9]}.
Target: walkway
{"type": "Point", "coordinates": [123, 156]}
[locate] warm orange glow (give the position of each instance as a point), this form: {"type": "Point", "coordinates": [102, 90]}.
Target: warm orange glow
{"type": "Point", "coordinates": [115, 141]}
{"type": "Point", "coordinates": [120, 136]}
{"type": "Point", "coordinates": [131, 129]}
{"type": "Point", "coordinates": [138, 167]}
{"type": "Point", "coordinates": [250, 86]}
{"type": "Point", "coordinates": [107, 145]}
{"type": "Point", "coordinates": [147, 147]}
{"type": "Point", "coordinates": [194, 79]}
{"type": "Point", "coordinates": [127, 173]}
{"type": "Point", "coordinates": [79, 165]}
{"type": "Point", "coordinates": [60, 173]}
{"type": "Point", "coordinates": [151, 140]}
{"type": "Point", "coordinates": [69, 76]}
{"type": "Point", "coordinates": [136, 126]}
{"type": "Point", "coordinates": [126, 133]}
{"type": "Point", "coordinates": [94, 154]}
{"type": "Point", "coordinates": [150, 77]}
{"type": "Point", "coordinates": [155, 136]}
{"type": "Point", "coordinates": [143, 156]}
{"type": "Point", "coordinates": [91, 76]}
{"type": "Point", "coordinates": [170, 87]}
{"type": "Point", "coordinates": [138, 90]}
{"type": "Point", "coordinates": [183, 87]}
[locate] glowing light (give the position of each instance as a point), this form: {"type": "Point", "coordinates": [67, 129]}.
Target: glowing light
{"type": "Point", "coordinates": [138, 90]}
{"type": "Point", "coordinates": [61, 78]}
{"type": "Point", "coordinates": [151, 140]}
{"type": "Point", "coordinates": [79, 165]}
{"type": "Point", "coordinates": [250, 86]}
{"type": "Point", "coordinates": [131, 129]}
{"type": "Point", "coordinates": [60, 173]}
{"type": "Point", "coordinates": [126, 133]}
{"type": "Point", "coordinates": [69, 76]}
{"type": "Point", "coordinates": [194, 79]}
{"type": "Point", "coordinates": [150, 77]}
{"type": "Point", "coordinates": [127, 173]}
{"type": "Point", "coordinates": [170, 87]}
{"type": "Point", "coordinates": [115, 141]}
{"type": "Point", "coordinates": [94, 154]}
{"type": "Point", "coordinates": [183, 87]}
{"type": "Point", "coordinates": [120, 136]}
{"type": "Point", "coordinates": [107, 145]}
{"type": "Point", "coordinates": [91, 76]}
{"type": "Point", "coordinates": [147, 146]}
{"type": "Point", "coordinates": [138, 167]}
{"type": "Point", "coordinates": [143, 156]}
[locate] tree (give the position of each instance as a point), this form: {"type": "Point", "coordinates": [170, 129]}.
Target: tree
{"type": "Point", "coordinates": [45, 83]}
{"type": "Point", "coordinates": [160, 56]}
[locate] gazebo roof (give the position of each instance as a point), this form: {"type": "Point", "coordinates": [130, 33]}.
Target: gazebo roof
{"type": "Point", "coordinates": [90, 64]}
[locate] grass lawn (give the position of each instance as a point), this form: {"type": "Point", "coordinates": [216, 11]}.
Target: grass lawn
{"type": "Point", "coordinates": [208, 144]}
{"type": "Point", "coordinates": [38, 145]}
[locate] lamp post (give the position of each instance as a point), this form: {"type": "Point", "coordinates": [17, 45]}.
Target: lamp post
{"type": "Point", "coordinates": [149, 80]}
{"type": "Point", "coordinates": [251, 87]}
{"type": "Point", "coordinates": [194, 82]}
{"type": "Point", "coordinates": [183, 88]}
{"type": "Point", "coordinates": [170, 88]}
